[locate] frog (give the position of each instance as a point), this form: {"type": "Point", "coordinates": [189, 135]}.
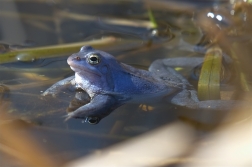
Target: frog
{"type": "Point", "coordinates": [110, 84]}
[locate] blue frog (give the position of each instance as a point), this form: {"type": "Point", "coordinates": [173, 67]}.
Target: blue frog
{"type": "Point", "coordinates": [110, 84]}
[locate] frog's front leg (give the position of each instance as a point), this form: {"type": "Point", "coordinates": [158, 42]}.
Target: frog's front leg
{"type": "Point", "coordinates": [60, 86]}
{"type": "Point", "coordinates": [99, 107]}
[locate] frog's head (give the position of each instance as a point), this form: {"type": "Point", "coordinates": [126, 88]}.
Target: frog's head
{"type": "Point", "coordinates": [94, 68]}
{"type": "Point", "coordinates": [92, 60]}
{"type": "Point", "coordinates": [95, 72]}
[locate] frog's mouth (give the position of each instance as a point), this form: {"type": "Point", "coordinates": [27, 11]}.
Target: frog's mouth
{"type": "Point", "coordinates": [79, 70]}
{"type": "Point", "coordinates": [74, 69]}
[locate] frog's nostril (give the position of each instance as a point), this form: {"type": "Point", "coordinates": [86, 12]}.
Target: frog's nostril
{"type": "Point", "coordinates": [78, 58]}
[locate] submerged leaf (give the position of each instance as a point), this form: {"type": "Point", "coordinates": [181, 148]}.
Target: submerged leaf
{"type": "Point", "coordinates": [209, 81]}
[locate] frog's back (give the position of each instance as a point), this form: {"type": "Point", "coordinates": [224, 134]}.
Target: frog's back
{"type": "Point", "coordinates": [168, 75]}
{"type": "Point", "coordinates": [140, 84]}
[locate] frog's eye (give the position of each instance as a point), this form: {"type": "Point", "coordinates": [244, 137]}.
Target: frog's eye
{"type": "Point", "coordinates": [93, 59]}
{"type": "Point", "coordinates": [92, 120]}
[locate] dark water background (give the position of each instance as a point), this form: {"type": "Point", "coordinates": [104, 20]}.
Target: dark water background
{"type": "Point", "coordinates": [42, 23]}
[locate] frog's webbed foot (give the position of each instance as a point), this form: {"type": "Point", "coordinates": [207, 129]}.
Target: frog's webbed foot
{"type": "Point", "coordinates": [189, 99]}
{"type": "Point", "coordinates": [185, 98]}
{"type": "Point", "coordinates": [99, 107]}
{"type": "Point", "coordinates": [224, 105]}
{"type": "Point", "coordinates": [60, 86]}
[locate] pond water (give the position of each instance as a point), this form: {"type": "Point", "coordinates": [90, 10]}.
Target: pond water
{"type": "Point", "coordinates": [184, 29]}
